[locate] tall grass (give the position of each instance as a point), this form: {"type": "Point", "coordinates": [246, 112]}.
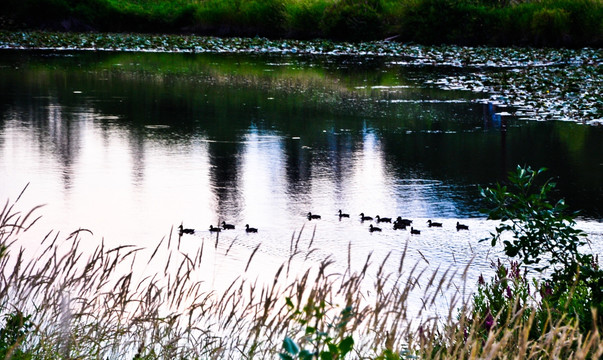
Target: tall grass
{"type": "Point", "coordinates": [466, 22]}
{"type": "Point", "coordinates": [71, 303]}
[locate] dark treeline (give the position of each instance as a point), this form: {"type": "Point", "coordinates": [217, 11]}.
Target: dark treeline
{"type": "Point", "coordinates": [557, 23]}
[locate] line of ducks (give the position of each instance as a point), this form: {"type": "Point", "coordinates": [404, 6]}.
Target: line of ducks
{"type": "Point", "coordinates": [182, 230]}
{"type": "Point", "coordinates": [398, 224]}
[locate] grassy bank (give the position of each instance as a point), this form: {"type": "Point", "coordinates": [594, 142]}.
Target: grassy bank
{"type": "Point", "coordinates": [134, 303]}
{"type": "Point", "coordinates": [571, 23]}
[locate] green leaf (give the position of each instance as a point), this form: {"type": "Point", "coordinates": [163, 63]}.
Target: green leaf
{"type": "Point", "coordinates": [290, 346]}
{"type": "Point", "coordinates": [325, 355]}
{"type": "Point", "coordinates": [346, 345]}
{"type": "Point", "coordinates": [306, 355]}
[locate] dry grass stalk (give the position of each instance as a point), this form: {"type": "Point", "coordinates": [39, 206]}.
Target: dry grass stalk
{"type": "Point", "coordinates": [101, 306]}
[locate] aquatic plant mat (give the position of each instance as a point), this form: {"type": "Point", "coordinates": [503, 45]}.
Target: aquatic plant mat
{"type": "Point", "coordinates": [160, 302]}
{"type": "Point", "coordinates": [535, 83]}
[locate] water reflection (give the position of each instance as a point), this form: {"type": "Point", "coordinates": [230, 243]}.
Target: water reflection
{"type": "Point", "coordinates": [131, 150]}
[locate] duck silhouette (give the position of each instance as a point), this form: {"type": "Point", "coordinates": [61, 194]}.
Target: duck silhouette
{"type": "Point", "coordinates": [226, 226]}
{"type": "Point", "coordinates": [311, 216]}
{"type": "Point", "coordinates": [461, 226]}
{"type": "Point", "coordinates": [399, 226]}
{"type": "Point", "coordinates": [405, 222]}
{"type": "Point", "coordinates": [415, 231]}
{"type": "Point", "coordinates": [363, 218]}
{"type": "Point", "coordinates": [182, 230]}
{"type": "Point", "coordinates": [373, 228]}
{"type": "Point", "coordinates": [250, 229]}
{"type": "Point", "coordinates": [214, 229]}
{"type": "Point", "coordinates": [434, 224]}
{"type": "Point", "coordinates": [380, 219]}
{"type": "Point", "coordinates": [342, 215]}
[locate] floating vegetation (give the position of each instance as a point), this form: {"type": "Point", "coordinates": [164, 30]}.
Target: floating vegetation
{"type": "Point", "coordinates": [542, 83]}
{"type": "Point", "coordinates": [558, 92]}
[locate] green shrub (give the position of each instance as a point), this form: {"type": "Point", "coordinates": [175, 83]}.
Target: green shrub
{"type": "Point", "coordinates": [323, 339]}
{"type": "Point", "coordinates": [499, 301]}
{"type": "Point", "coordinates": [446, 21]}
{"type": "Point", "coordinates": [550, 26]}
{"type": "Point", "coordinates": [544, 236]}
{"type": "Point", "coordinates": [304, 18]}
{"type": "Point", "coordinates": [148, 16]}
{"type": "Point", "coordinates": [465, 22]}
{"type": "Point", "coordinates": [544, 23]}
{"type": "Point", "coordinates": [241, 17]}
{"type": "Point", "coordinates": [212, 13]}
{"type": "Point", "coordinates": [504, 302]}
{"type": "Point", "coordinates": [557, 22]}
{"type": "Point", "coordinates": [353, 20]}
{"type": "Point", "coordinates": [36, 12]}
{"type": "Point", "coordinates": [264, 17]}
{"type": "Point", "coordinates": [16, 328]}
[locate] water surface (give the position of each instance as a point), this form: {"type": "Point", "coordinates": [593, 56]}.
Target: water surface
{"type": "Point", "coordinates": [131, 145]}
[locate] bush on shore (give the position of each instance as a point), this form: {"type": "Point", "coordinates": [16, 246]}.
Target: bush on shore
{"type": "Point", "coordinates": [536, 23]}
{"type": "Point", "coordinates": [569, 293]}
{"type": "Point", "coordinates": [569, 23]}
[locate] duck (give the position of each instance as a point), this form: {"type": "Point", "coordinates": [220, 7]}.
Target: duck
{"type": "Point", "coordinates": [214, 229]}
{"type": "Point", "coordinates": [373, 228]}
{"type": "Point", "coordinates": [405, 222]}
{"type": "Point", "coordinates": [311, 216]}
{"type": "Point", "coordinates": [226, 226]}
{"type": "Point", "coordinates": [461, 226]}
{"type": "Point", "coordinates": [415, 231]}
{"type": "Point", "coordinates": [182, 230]}
{"type": "Point", "coordinates": [380, 219]}
{"type": "Point", "coordinates": [250, 229]}
{"type": "Point", "coordinates": [342, 215]}
{"type": "Point", "coordinates": [363, 218]}
{"type": "Point", "coordinates": [399, 226]}
{"type": "Point", "coordinates": [434, 224]}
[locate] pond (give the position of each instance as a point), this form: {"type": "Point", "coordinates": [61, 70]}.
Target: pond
{"type": "Point", "coordinates": [131, 145]}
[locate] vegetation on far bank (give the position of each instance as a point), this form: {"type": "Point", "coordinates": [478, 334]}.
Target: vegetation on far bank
{"type": "Point", "coordinates": [568, 23]}
{"type": "Point", "coordinates": [68, 303]}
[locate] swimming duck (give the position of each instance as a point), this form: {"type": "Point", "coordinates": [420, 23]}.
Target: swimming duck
{"type": "Point", "coordinates": [227, 226]}
{"type": "Point", "coordinates": [182, 230]}
{"type": "Point", "coordinates": [399, 226]}
{"type": "Point", "coordinates": [310, 216]}
{"type": "Point", "coordinates": [214, 229]}
{"type": "Point", "coordinates": [250, 229]}
{"type": "Point", "coordinates": [405, 222]}
{"type": "Point", "coordinates": [415, 231]}
{"type": "Point", "coordinates": [373, 228]}
{"type": "Point", "coordinates": [380, 219]}
{"type": "Point", "coordinates": [434, 224]}
{"type": "Point", "coordinates": [363, 218]}
{"type": "Point", "coordinates": [341, 215]}
{"type": "Point", "coordinates": [461, 226]}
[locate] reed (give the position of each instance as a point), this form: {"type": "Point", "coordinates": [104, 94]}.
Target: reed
{"type": "Point", "coordinates": [107, 304]}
